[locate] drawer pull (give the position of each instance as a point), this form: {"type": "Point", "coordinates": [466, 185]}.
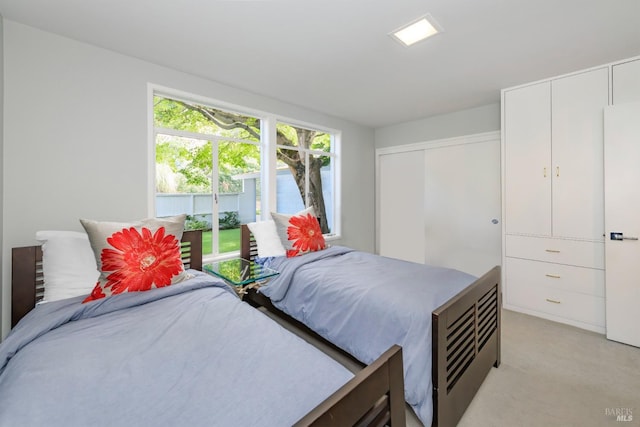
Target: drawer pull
{"type": "Point", "coordinates": [553, 251]}
{"type": "Point", "coordinates": [553, 301]}
{"type": "Point", "coordinates": [553, 276]}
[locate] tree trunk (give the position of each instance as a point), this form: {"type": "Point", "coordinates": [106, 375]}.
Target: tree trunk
{"type": "Point", "coordinates": [315, 194]}
{"type": "Point", "coordinates": [296, 164]}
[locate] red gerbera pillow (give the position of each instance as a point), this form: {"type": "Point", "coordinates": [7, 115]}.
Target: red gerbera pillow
{"type": "Point", "coordinates": [299, 233]}
{"type": "Point", "coordinates": [136, 257]}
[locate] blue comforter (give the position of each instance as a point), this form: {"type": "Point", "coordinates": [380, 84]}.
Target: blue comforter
{"type": "Point", "coordinates": [364, 303]}
{"type": "Point", "coordinates": [189, 354]}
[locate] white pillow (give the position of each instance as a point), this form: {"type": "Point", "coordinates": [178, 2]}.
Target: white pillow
{"type": "Point", "coordinates": [266, 235]}
{"type": "Point", "coordinates": [68, 264]}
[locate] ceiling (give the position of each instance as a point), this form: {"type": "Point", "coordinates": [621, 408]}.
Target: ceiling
{"type": "Point", "coordinates": [336, 57]}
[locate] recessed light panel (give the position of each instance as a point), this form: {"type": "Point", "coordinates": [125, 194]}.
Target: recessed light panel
{"type": "Point", "coordinates": [416, 31]}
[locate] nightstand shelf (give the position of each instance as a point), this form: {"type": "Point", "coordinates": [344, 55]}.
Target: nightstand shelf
{"type": "Point", "coordinates": [240, 273]}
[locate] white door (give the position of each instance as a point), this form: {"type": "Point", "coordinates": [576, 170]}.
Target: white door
{"type": "Point", "coordinates": [400, 205]}
{"type": "Point", "coordinates": [622, 215]}
{"type": "Point", "coordinates": [462, 206]}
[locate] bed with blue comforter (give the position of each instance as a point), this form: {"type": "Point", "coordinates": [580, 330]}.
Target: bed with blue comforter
{"type": "Point", "coordinates": [447, 321]}
{"type": "Point", "coordinates": [190, 354]}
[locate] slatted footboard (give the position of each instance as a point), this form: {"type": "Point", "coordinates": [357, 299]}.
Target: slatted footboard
{"type": "Point", "coordinates": [375, 397]}
{"type": "Point", "coordinates": [466, 344]}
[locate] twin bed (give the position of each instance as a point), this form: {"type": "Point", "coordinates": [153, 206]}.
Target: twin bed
{"type": "Point", "coordinates": [193, 353]}
{"type": "Point", "coordinates": [447, 322]}
{"type": "Point", "coordinates": [187, 354]}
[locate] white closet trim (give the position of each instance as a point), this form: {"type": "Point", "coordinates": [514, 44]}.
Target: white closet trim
{"type": "Point", "coordinates": [436, 143]}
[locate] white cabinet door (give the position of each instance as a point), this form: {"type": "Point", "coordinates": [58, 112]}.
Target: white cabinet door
{"type": "Point", "coordinates": [577, 106]}
{"type": "Point", "coordinates": [622, 215]}
{"type": "Point", "coordinates": [401, 205]}
{"type": "Point", "coordinates": [527, 151]}
{"type": "Point", "coordinates": [626, 82]}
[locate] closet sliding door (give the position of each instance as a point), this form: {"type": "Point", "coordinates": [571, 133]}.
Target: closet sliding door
{"type": "Point", "coordinates": [462, 206]}
{"type": "Point", "coordinates": [400, 201]}
{"type": "Point", "coordinates": [439, 203]}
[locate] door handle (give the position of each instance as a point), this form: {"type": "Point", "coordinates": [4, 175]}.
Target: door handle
{"type": "Point", "coordinates": [620, 236]}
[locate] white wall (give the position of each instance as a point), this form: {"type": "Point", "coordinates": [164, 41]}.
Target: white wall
{"type": "Point", "coordinates": [1, 153]}
{"type": "Point", "coordinates": [75, 140]}
{"type": "Point", "coordinates": [465, 122]}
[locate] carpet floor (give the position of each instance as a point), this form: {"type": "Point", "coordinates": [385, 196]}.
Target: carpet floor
{"type": "Point", "coordinates": [557, 375]}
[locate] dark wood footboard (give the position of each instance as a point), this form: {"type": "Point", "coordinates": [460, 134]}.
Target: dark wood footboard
{"type": "Point", "coordinates": [466, 334]}
{"type": "Point", "coordinates": [375, 397]}
{"type": "Point", "coordinates": [466, 344]}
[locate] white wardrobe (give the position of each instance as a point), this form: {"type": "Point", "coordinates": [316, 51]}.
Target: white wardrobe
{"type": "Point", "coordinates": [553, 193]}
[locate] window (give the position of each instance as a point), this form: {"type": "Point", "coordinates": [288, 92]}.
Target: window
{"type": "Point", "coordinates": [210, 163]}
{"type": "Point", "coordinates": [305, 172]}
{"type": "Point", "coordinates": [207, 166]}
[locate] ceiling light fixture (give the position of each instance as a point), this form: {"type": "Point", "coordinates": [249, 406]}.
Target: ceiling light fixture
{"type": "Point", "coordinates": [416, 31]}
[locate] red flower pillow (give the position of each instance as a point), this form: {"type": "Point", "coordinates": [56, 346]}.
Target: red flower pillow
{"type": "Point", "coordinates": [133, 257]}
{"type": "Point", "coordinates": [299, 233]}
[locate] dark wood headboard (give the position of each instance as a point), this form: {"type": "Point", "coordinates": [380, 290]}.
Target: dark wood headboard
{"type": "Point", "coordinates": [248, 245]}
{"type": "Point", "coordinates": [27, 279]}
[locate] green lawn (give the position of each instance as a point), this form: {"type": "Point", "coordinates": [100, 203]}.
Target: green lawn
{"type": "Point", "coordinates": [229, 240]}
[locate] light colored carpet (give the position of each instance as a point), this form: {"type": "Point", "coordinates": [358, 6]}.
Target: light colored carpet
{"type": "Point", "coordinates": [557, 375]}
{"type": "Point", "coordinates": [551, 375]}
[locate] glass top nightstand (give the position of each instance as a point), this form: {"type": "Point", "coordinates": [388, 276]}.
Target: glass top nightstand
{"type": "Point", "coordinates": [242, 274]}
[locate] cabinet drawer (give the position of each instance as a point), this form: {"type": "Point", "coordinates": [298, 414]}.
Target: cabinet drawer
{"type": "Point", "coordinates": [572, 306]}
{"type": "Point", "coordinates": [537, 274]}
{"type": "Point", "coordinates": [569, 252]}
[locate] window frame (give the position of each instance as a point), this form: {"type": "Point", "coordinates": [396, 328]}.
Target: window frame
{"type": "Point", "coordinates": [335, 138]}
{"type": "Point", "coordinates": [268, 157]}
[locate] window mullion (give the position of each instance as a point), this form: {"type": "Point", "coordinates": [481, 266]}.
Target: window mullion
{"type": "Point", "coordinates": [200, 135]}
{"type": "Point", "coordinates": [215, 186]}
{"type": "Point", "coordinates": [306, 177]}
{"type": "Point", "coordinates": [269, 167]}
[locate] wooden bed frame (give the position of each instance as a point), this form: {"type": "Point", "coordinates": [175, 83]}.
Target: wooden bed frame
{"type": "Point", "coordinates": [374, 397]}
{"type": "Point", "coordinates": [465, 339]}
